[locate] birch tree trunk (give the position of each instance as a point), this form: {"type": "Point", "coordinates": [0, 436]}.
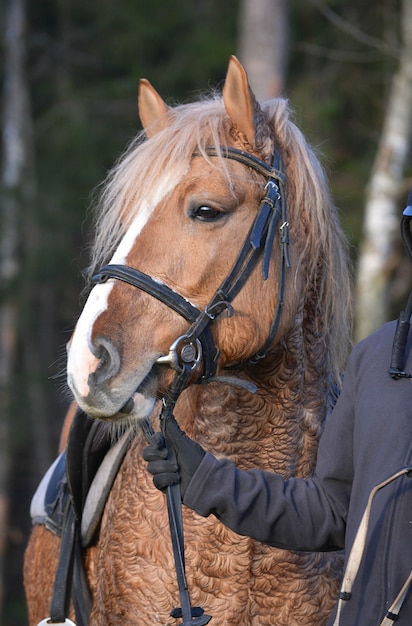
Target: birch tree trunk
{"type": "Point", "coordinates": [263, 44]}
{"type": "Point", "coordinates": [11, 179]}
{"type": "Point", "coordinates": [382, 211]}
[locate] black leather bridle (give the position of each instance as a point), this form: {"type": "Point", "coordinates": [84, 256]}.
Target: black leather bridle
{"type": "Point", "coordinates": [197, 344]}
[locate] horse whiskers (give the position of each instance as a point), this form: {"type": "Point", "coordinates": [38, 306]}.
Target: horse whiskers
{"type": "Point", "coordinates": [113, 431]}
{"type": "Point", "coordinates": [62, 374]}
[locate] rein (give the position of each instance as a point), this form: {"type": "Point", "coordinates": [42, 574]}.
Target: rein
{"type": "Point", "coordinates": [197, 344]}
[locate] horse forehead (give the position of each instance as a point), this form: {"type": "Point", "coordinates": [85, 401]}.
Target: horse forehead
{"type": "Point", "coordinates": [167, 182]}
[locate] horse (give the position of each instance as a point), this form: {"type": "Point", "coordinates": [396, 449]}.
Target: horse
{"type": "Point", "coordinates": [262, 371]}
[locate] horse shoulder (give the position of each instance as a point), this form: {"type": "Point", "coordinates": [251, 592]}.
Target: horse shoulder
{"type": "Point", "coordinates": [40, 564]}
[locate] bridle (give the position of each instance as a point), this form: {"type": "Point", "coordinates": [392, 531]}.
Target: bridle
{"type": "Point", "coordinates": [197, 344]}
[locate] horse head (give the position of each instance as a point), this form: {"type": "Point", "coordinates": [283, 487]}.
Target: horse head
{"type": "Point", "coordinates": [176, 210]}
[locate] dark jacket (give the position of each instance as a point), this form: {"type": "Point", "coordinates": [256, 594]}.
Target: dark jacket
{"type": "Point", "coordinates": [367, 439]}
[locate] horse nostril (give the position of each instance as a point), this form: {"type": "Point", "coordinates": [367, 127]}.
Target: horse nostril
{"type": "Point", "coordinates": [109, 360]}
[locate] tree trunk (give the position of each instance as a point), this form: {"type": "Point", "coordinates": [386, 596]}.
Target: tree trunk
{"type": "Point", "coordinates": [263, 44]}
{"type": "Point", "coordinates": [382, 212]}
{"type": "Point", "coordinates": [14, 119]}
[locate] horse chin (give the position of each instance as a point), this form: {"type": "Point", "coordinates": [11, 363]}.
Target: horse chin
{"type": "Point", "coordinates": [138, 407]}
{"type": "Point", "coordinates": [141, 404]}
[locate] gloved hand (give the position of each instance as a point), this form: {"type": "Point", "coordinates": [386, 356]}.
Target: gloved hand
{"type": "Point", "coordinates": [161, 464]}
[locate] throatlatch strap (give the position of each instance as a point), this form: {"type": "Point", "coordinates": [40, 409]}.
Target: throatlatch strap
{"type": "Point", "coordinates": [358, 548]}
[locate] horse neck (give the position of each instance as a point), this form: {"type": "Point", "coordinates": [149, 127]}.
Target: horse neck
{"type": "Point", "coordinates": [279, 426]}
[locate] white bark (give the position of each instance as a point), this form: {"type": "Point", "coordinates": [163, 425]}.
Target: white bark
{"type": "Point", "coordinates": [11, 179]}
{"type": "Point", "coordinates": [382, 211]}
{"type": "Point", "coordinates": [263, 45]}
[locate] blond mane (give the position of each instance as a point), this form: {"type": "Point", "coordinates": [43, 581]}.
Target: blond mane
{"type": "Point", "coordinates": [192, 127]}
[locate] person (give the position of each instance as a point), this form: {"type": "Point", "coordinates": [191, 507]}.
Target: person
{"type": "Point", "coordinates": [360, 496]}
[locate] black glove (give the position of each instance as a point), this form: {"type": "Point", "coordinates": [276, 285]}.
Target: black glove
{"type": "Point", "coordinates": [166, 469]}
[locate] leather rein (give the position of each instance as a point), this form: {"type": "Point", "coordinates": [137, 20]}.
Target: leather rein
{"type": "Point", "coordinates": [197, 344]}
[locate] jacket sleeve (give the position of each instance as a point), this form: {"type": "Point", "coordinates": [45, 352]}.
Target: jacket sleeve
{"type": "Point", "coordinates": [295, 514]}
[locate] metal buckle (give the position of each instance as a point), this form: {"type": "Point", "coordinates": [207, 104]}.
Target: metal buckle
{"type": "Point", "coordinates": [190, 354]}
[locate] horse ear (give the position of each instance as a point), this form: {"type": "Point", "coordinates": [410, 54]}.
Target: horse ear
{"type": "Point", "coordinates": [239, 100]}
{"type": "Point", "coordinates": [152, 109]}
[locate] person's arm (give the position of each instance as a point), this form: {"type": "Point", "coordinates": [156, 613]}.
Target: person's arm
{"type": "Point", "coordinates": [298, 514]}
{"type": "Point", "coordinates": [294, 514]}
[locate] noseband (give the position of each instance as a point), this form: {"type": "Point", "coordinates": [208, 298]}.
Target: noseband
{"type": "Point", "coordinates": [197, 344]}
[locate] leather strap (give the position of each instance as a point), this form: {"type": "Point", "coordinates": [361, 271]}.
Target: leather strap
{"type": "Point", "coordinates": [193, 616]}
{"type": "Point", "coordinates": [246, 158]}
{"type": "Point", "coordinates": [69, 576]}
{"type": "Point", "coordinates": [60, 602]}
{"type": "Point", "coordinates": [143, 281]}
{"type": "Point", "coordinates": [84, 453]}
{"type": "Point", "coordinates": [190, 615]}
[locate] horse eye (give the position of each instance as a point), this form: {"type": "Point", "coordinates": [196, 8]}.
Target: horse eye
{"type": "Point", "coordinates": [207, 213]}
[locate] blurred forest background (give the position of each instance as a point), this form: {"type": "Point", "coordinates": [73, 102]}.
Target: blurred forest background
{"type": "Point", "coordinates": [69, 108]}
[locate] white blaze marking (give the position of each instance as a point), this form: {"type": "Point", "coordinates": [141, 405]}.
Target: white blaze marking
{"type": "Point", "coordinates": [133, 232]}
{"type": "Point", "coordinates": [81, 362]}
